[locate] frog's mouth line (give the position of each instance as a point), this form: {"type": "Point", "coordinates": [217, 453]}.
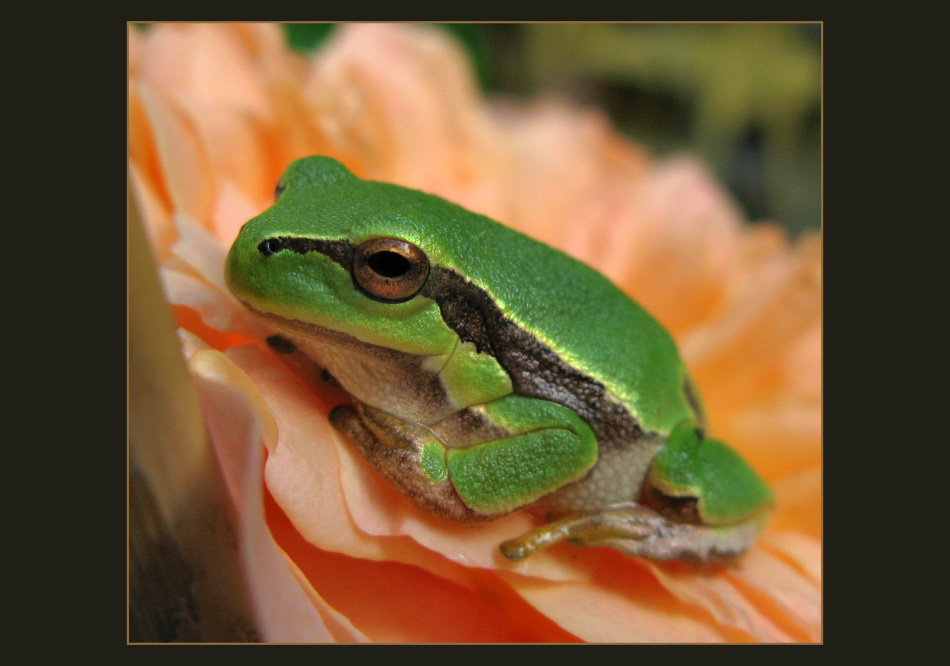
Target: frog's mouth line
{"type": "Point", "coordinates": [411, 374]}
{"type": "Point", "coordinates": [325, 334]}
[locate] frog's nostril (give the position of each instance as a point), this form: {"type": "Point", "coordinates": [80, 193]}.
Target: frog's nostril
{"type": "Point", "coordinates": [270, 246]}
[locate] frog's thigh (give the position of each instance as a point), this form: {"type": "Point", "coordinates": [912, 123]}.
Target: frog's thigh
{"type": "Point", "coordinates": [548, 447]}
{"type": "Point", "coordinates": [725, 488]}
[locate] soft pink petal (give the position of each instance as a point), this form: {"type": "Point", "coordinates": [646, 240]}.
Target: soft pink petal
{"type": "Point", "coordinates": [602, 614]}
{"type": "Point", "coordinates": [285, 607]}
{"type": "Point", "coordinates": [740, 361]}
{"type": "Point", "coordinates": [183, 288]}
{"type": "Point", "coordinates": [689, 235]}
{"type": "Point", "coordinates": [569, 181]}
{"type": "Point", "coordinates": [798, 502]}
{"type": "Point", "coordinates": [184, 162]}
{"type": "Point", "coordinates": [724, 601]}
{"type": "Point", "coordinates": [232, 210]}
{"type": "Point", "coordinates": [199, 249]}
{"type": "Point", "coordinates": [790, 598]}
{"type": "Point", "coordinates": [187, 62]}
{"type": "Point", "coordinates": [802, 551]}
{"type": "Point", "coordinates": [155, 217]}
{"type": "Point", "coordinates": [787, 430]}
{"type": "Point", "coordinates": [418, 119]}
{"type": "Point", "coordinates": [235, 145]}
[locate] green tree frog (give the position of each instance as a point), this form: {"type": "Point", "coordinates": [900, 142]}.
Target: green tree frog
{"type": "Point", "coordinates": [490, 372]}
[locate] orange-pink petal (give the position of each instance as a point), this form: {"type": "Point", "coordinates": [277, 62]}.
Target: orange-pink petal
{"type": "Point", "coordinates": [286, 609]}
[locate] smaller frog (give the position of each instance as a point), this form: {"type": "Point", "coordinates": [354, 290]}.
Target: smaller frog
{"type": "Point", "coordinates": [490, 372]}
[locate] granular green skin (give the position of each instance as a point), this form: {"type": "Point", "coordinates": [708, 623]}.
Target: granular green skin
{"type": "Point", "coordinates": [433, 462]}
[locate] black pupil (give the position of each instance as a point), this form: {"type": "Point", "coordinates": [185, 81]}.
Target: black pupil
{"type": "Point", "coordinates": [389, 264]}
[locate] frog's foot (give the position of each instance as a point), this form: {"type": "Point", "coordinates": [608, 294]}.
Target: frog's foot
{"type": "Point", "coordinates": [639, 531]}
{"type": "Point", "coordinates": [408, 455]}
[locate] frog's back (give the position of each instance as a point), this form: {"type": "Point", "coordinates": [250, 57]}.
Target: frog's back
{"type": "Point", "coordinates": [587, 321]}
{"type": "Point", "coordinates": [559, 326]}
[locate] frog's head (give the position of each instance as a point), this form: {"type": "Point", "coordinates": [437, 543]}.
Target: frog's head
{"type": "Point", "coordinates": [354, 256]}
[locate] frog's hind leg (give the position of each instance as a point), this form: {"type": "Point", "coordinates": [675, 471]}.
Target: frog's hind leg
{"type": "Point", "coordinates": [700, 501]}
{"type": "Point", "coordinates": [639, 531]}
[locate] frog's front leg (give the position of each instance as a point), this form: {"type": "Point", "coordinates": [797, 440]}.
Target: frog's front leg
{"type": "Point", "coordinates": [700, 501]}
{"type": "Point", "coordinates": [537, 447]}
{"type": "Point", "coordinates": [409, 455]}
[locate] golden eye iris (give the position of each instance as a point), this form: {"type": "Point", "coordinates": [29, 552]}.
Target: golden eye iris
{"type": "Point", "coordinates": [390, 269]}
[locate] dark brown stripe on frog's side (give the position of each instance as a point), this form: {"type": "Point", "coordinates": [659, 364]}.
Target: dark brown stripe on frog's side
{"type": "Point", "coordinates": [535, 370]}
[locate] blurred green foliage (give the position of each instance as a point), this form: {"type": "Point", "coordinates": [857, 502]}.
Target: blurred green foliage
{"type": "Point", "coordinates": [307, 36]}
{"type": "Point", "coordinates": [745, 97]}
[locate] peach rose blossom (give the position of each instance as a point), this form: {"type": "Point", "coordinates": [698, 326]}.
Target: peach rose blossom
{"type": "Point", "coordinates": [330, 551]}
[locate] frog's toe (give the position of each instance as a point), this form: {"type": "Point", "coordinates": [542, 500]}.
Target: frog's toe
{"type": "Point", "coordinates": [585, 528]}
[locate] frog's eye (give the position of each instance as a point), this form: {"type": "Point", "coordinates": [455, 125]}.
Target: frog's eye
{"type": "Point", "coordinates": [390, 269]}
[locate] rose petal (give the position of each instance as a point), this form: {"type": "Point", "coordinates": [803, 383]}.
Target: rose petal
{"type": "Point", "coordinates": [391, 601]}
{"type": "Point", "coordinates": [798, 503]}
{"type": "Point", "coordinates": [418, 119]}
{"type": "Point", "coordinates": [689, 235]}
{"type": "Point", "coordinates": [286, 608]}
{"type": "Point", "coordinates": [200, 250]}
{"type": "Point", "coordinates": [235, 147]}
{"type": "Point", "coordinates": [187, 62]}
{"type": "Point", "coordinates": [739, 361]}
{"type": "Point", "coordinates": [782, 592]}
{"type": "Point", "coordinates": [184, 163]}
{"type": "Point", "coordinates": [728, 606]}
{"type": "Point", "coordinates": [800, 551]}
{"type": "Point", "coordinates": [156, 219]}
{"type": "Point", "coordinates": [182, 288]}
{"type": "Point", "coordinates": [627, 609]}
{"type": "Point", "coordinates": [232, 210]}
{"type": "Point", "coordinates": [786, 431]}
